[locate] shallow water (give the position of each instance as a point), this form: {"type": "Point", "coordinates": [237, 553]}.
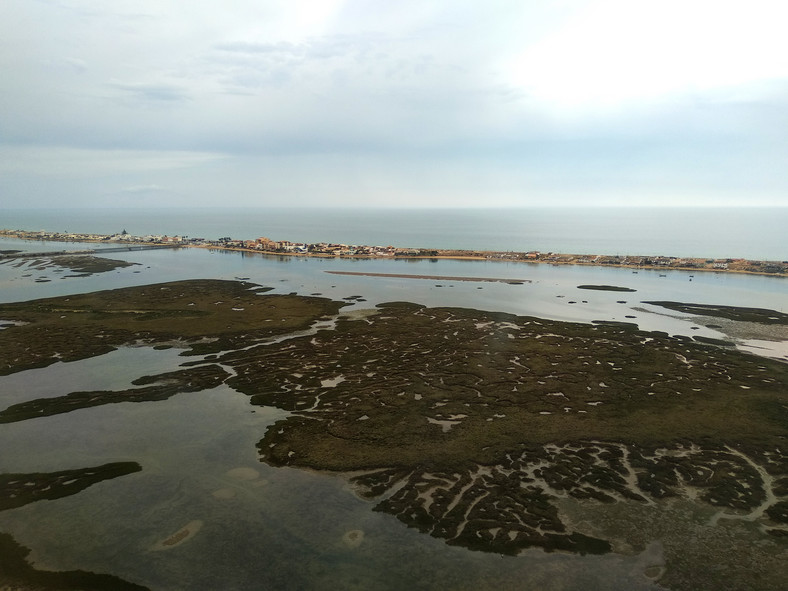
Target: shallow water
{"type": "Point", "coordinates": [264, 527]}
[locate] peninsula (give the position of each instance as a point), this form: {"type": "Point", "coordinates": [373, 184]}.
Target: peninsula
{"type": "Point", "coordinates": [324, 249]}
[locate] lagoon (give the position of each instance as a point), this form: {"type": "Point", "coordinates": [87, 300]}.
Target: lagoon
{"type": "Point", "coordinates": [284, 528]}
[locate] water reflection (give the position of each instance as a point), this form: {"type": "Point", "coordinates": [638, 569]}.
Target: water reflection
{"type": "Point", "coordinates": [264, 527]}
{"type": "Point", "coordinates": [280, 528]}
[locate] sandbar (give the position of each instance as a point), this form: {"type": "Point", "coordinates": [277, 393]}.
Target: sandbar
{"type": "Point", "coordinates": [431, 277]}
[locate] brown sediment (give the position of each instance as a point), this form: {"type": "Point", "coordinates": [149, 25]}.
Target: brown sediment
{"type": "Point", "coordinates": [181, 536]}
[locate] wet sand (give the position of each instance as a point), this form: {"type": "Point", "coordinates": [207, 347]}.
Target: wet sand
{"type": "Point", "coordinates": [432, 277]}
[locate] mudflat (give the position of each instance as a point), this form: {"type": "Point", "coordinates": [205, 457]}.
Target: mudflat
{"type": "Point", "coordinates": [491, 431]}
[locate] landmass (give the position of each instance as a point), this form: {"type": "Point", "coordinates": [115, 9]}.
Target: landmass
{"type": "Point", "coordinates": [204, 315]}
{"type": "Point", "coordinates": [163, 386]}
{"type": "Point", "coordinates": [82, 265]}
{"type": "Point", "coordinates": [17, 490]}
{"type": "Point", "coordinates": [491, 431]}
{"type": "Point", "coordinates": [737, 313]}
{"type": "Point", "coordinates": [605, 287]}
{"type": "Point", "coordinates": [433, 277]}
{"type": "Point", "coordinates": [324, 249]}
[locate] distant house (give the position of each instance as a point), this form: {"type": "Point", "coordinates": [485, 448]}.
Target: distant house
{"type": "Point", "coordinates": [265, 244]}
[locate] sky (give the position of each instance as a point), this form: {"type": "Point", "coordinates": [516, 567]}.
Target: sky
{"type": "Point", "coordinates": [458, 103]}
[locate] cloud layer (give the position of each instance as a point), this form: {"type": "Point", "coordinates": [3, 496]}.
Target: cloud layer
{"type": "Point", "coordinates": [410, 103]}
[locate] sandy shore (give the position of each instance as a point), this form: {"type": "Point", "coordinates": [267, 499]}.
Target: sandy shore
{"type": "Point", "coordinates": [739, 265]}
{"type": "Point", "coordinates": [432, 277]}
{"type": "Point", "coordinates": [687, 264]}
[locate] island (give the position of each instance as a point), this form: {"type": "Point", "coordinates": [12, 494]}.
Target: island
{"type": "Point", "coordinates": [324, 249]}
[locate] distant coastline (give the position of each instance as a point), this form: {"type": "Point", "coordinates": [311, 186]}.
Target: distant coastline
{"type": "Point", "coordinates": [331, 250]}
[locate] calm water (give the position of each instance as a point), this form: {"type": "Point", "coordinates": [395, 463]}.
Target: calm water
{"type": "Point", "coordinates": [754, 233]}
{"type": "Point", "coordinates": [283, 528]}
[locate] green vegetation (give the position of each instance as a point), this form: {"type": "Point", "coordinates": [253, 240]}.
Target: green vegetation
{"type": "Point", "coordinates": [210, 315]}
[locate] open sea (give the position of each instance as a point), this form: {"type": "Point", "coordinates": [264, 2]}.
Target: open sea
{"type": "Point", "coordinates": [753, 233]}
{"type": "Point", "coordinates": [283, 528]}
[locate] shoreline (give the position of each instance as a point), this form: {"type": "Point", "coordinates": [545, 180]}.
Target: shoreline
{"type": "Point", "coordinates": [768, 268]}
{"type": "Point", "coordinates": [431, 277]}
{"type": "Point", "coordinates": [489, 256]}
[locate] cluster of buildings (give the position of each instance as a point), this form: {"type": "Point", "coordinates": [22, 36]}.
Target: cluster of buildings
{"type": "Point", "coordinates": [260, 245]}
{"type": "Point", "coordinates": [660, 262]}
{"type": "Point", "coordinates": [320, 248]}
{"type": "Point", "coordinates": [266, 245]}
{"type": "Point", "coordinates": [123, 237]}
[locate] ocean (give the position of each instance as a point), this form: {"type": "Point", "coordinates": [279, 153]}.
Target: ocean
{"type": "Point", "coordinates": [753, 233]}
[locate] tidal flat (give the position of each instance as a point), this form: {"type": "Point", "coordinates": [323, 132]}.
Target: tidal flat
{"type": "Point", "coordinates": [494, 432]}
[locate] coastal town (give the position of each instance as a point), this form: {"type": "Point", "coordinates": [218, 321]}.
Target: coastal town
{"type": "Point", "coordinates": [267, 246]}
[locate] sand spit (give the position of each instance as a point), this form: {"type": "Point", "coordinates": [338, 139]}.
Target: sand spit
{"type": "Point", "coordinates": [181, 536]}
{"type": "Point", "coordinates": [432, 277]}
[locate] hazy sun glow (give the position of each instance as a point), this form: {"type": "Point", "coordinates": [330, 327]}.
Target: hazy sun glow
{"type": "Point", "coordinates": [616, 51]}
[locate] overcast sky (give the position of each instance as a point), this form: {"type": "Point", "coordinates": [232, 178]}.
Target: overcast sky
{"type": "Point", "coordinates": [375, 103]}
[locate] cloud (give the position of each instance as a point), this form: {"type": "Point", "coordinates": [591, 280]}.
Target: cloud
{"type": "Point", "coordinates": [444, 102]}
{"type": "Point", "coordinates": [75, 64]}
{"type": "Point", "coordinates": [151, 92]}
{"type": "Point", "coordinates": [67, 162]}
{"type": "Point", "coordinates": [615, 52]}
{"type": "Point", "coordinates": [136, 189]}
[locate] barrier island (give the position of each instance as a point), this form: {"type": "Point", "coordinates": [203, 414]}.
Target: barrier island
{"type": "Point", "coordinates": [325, 249]}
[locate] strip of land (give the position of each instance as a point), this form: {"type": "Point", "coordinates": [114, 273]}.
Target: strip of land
{"type": "Point", "coordinates": [324, 249]}
{"type": "Point", "coordinates": [433, 277]}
